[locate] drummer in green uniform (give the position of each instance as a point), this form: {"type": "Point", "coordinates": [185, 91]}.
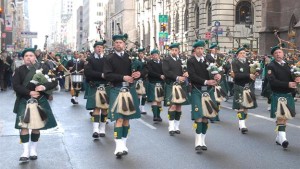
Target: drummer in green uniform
{"type": "Point", "coordinates": [97, 86]}
{"type": "Point", "coordinates": [202, 87]}
{"type": "Point", "coordinates": [29, 90]}
{"type": "Point", "coordinates": [282, 102]}
{"type": "Point", "coordinates": [244, 97]}
{"type": "Point", "coordinates": [175, 78]}
{"type": "Point", "coordinates": [123, 99]}
{"type": "Point", "coordinates": [156, 83]}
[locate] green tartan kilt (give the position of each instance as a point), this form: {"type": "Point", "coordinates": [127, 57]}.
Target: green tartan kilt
{"type": "Point", "coordinates": [224, 84]}
{"type": "Point", "coordinates": [91, 100]}
{"type": "Point", "coordinates": [274, 100]}
{"type": "Point", "coordinates": [114, 91]}
{"type": "Point", "coordinates": [196, 104]}
{"type": "Point", "coordinates": [86, 92]}
{"type": "Point", "coordinates": [168, 95]}
{"type": "Point", "coordinates": [238, 94]}
{"type": "Point", "coordinates": [151, 91]}
{"type": "Point", "coordinates": [43, 102]}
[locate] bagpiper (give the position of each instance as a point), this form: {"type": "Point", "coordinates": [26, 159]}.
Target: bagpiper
{"type": "Point", "coordinates": [156, 84]}
{"type": "Point", "coordinates": [175, 88]}
{"type": "Point", "coordinates": [31, 84]}
{"type": "Point", "coordinates": [76, 68]}
{"type": "Point", "coordinates": [244, 96]}
{"type": "Point", "coordinates": [202, 95]}
{"type": "Point", "coordinates": [282, 101]}
{"type": "Point", "coordinates": [98, 89]}
{"type": "Point", "coordinates": [123, 100]}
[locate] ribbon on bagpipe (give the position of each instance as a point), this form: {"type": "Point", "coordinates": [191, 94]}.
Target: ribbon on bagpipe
{"type": "Point", "coordinates": [124, 102]}
{"type": "Point", "coordinates": [35, 116]}
{"type": "Point", "coordinates": [101, 98]}
{"type": "Point", "coordinates": [220, 94]}
{"type": "Point", "coordinates": [140, 87]}
{"type": "Point", "coordinates": [178, 94]}
{"type": "Point", "coordinates": [158, 92]}
{"type": "Point", "coordinates": [209, 108]}
{"type": "Point", "coordinates": [248, 98]}
{"type": "Point", "coordinates": [283, 110]}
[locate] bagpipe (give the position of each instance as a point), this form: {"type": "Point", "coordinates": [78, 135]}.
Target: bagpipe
{"type": "Point", "coordinates": [291, 48]}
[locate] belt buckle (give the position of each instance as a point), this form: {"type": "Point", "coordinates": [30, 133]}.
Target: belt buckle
{"type": "Point", "coordinates": [204, 88]}
{"type": "Point", "coordinates": [157, 84]}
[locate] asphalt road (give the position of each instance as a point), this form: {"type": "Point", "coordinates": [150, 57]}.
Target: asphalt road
{"type": "Point", "coordinates": [70, 145]}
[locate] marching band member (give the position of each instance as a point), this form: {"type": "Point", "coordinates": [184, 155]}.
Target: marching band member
{"type": "Point", "coordinates": [93, 71]}
{"type": "Point", "coordinates": [123, 98]}
{"type": "Point", "coordinates": [76, 66]}
{"type": "Point", "coordinates": [175, 88]}
{"type": "Point", "coordinates": [142, 98]}
{"type": "Point", "coordinates": [65, 59]}
{"type": "Point", "coordinates": [156, 83]}
{"type": "Point", "coordinates": [201, 88]}
{"type": "Point", "coordinates": [282, 101]}
{"type": "Point", "coordinates": [31, 92]}
{"type": "Point", "coordinates": [244, 97]}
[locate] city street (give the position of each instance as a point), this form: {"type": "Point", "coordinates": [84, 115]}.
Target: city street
{"type": "Point", "coordinates": [71, 146]}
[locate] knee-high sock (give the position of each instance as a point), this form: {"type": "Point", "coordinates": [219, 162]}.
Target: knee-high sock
{"type": "Point", "coordinates": [204, 127]}
{"type": "Point", "coordinates": [118, 132]}
{"type": "Point", "coordinates": [96, 118]}
{"type": "Point", "coordinates": [155, 110]}
{"type": "Point", "coordinates": [158, 110]}
{"type": "Point", "coordinates": [35, 137]}
{"type": "Point", "coordinates": [143, 101]}
{"type": "Point", "coordinates": [103, 118]}
{"type": "Point", "coordinates": [242, 115]}
{"type": "Point", "coordinates": [177, 115]}
{"type": "Point", "coordinates": [125, 131]}
{"type": "Point", "coordinates": [24, 138]}
{"type": "Point", "coordinates": [198, 126]}
{"type": "Point", "coordinates": [171, 115]}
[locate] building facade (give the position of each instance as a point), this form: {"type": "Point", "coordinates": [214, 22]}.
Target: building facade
{"type": "Point", "coordinates": [229, 23]}
{"type": "Point", "coordinates": [283, 16]}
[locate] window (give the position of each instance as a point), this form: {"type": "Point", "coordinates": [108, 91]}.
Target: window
{"type": "Point", "coordinates": [209, 15]}
{"type": "Point", "coordinates": [177, 23]}
{"type": "Point", "coordinates": [197, 13]}
{"type": "Point", "coordinates": [244, 13]}
{"type": "Point", "coordinates": [186, 19]}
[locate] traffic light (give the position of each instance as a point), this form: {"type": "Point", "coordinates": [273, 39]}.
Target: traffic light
{"type": "Point", "coordinates": [163, 27]}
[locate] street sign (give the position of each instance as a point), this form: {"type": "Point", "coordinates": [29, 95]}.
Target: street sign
{"type": "Point", "coordinates": [163, 36]}
{"type": "Point", "coordinates": [207, 35]}
{"type": "Point", "coordinates": [163, 18]}
{"type": "Point", "coordinates": [10, 48]}
{"type": "Point", "coordinates": [218, 30]}
{"type": "Point", "coordinates": [29, 34]}
{"type": "Point", "coordinates": [217, 23]}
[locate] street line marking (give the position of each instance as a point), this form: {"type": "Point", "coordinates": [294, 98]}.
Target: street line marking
{"type": "Point", "coordinates": [147, 124]}
{"type": "Point", "coordinates": [265, 118]}
{"type": "Point", "coordinates": [57, 130]}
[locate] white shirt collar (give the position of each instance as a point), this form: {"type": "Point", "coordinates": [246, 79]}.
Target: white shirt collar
{"type": "Point", "coordinates": [119, 53]}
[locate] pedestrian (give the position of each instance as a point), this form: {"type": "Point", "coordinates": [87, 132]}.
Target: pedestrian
{"type": "Point", "coordinates": [175, 88]}
{"type": "Point", "coordinates": [156, 84]}
{"type": "Point", "coordinates": [123, 101]}
{"type": "Point", "coordinates": [202, 88]}
{"type": "Point", "coordinates": [97, 85]}
{"type": "Point", "coordinates": [244, 96]}
{"type": "Point", "coordinates": [30, 90]}
{"type": "Point", "coordinates": [282, 101]}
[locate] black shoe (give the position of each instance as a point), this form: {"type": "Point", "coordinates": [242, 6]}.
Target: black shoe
{"type": "Point", "coordinates": [285, 144]}
{"type": "Point", "coordinates": [73, 101]}
{"type": "Point", "coordinates": [95, 135]}
{"type": "Point", "coordinates": [125, 152]}
{"type": "Point", "coordinates": [159, 119]}
{"type": "Point", "coordinates": [155, 119]}
{"type": "Point", "coordinates": [24, 159]}
{"type": "Point", "coordinates": [119, 155]}
{"type": "Point", "coordinates": [177, 131]}
{"type": "Point", "coordinates": [198, 149]}
{"type": "Point", "coordinates": [33, 157]}
{"type": "Point", "coordinates": [102, 134]}
{"type": "Point", "coordinates": [212, 121]}
{"type": "Point", "coordinates": [244, 130]}
{"type": "Point", "coordinates": [204, 148]}
{"type": "Point", "coordinates": [171, 133]}
{"type": "Point", "coordinates": [143, 112]}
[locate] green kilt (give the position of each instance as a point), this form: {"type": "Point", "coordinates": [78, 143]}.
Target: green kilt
{"type": "Point", "coordinates": [114, 91]}
{"type": "Point", "coordinates": [43, 102]}
{"type": "Point", "coordinates": [86, 92]}
{"type": "Point", "coordinates": [196, 98]}
{"type": "Point", "coordinates": [238, 94]}
{"type": "Point", "coordinates": [168, 95]}
{"type": "Point", "coordinates": [224, 84]}
{"type": "Point", "coordinates": [151, 90]}
{"type": "Point", "coordinates": [274, 100]}
{"type": "Point", "coordinates": [91, 100]}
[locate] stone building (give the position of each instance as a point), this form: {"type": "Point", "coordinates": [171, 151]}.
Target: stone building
{"type": "Point", "coordinates": [281, 15]}
{"type": "Point", "coordinates": [231, 23]}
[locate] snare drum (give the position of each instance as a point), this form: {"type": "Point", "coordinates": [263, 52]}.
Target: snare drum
{"type": "Point", "coordinates": [229, 79]}
{"type": "Point", "coordinates": [77, 78]}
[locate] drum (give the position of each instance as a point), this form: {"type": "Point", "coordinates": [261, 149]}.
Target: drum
{"type": "Point", "coordinates": [229, 79]}
{"type": "Point", "coordinates": [77, 78]}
